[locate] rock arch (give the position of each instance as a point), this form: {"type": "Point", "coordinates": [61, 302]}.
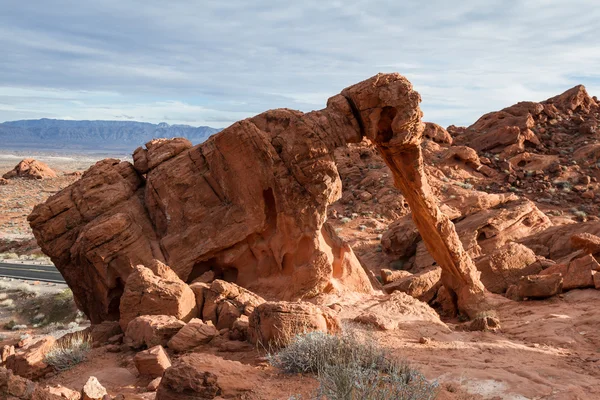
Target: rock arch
{"type": "Point", "coordinates": [251, 199]}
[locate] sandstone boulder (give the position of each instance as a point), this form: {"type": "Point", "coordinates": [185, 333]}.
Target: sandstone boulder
{"type": "Point", "coordinates": [278, 322]}
{"type": "Point", "coordinates": [13, 387]}
{"type": "Point", "coordinates": [580, 273]}
{"type": "Point", "coordinates": [152, 330]}
{"type": "Point", "coordinates": [437, 133]}
{"type": "Point", "coordinates": [5, 352]}
{"type": "Point", "coordinates": [183, 381]}
{"type": "Point", "coordinates": [509, 128]}
{"type": "Point", "coordinates": [148, 294]}
{"type": "Point", "coordinates": [158, 151]}
{"type": "Point", "coordinates": [574, 99]}
{"type": "Point", "coordinates": [587, 242]}
{"type": "Point", "coordinates": [199, 289]}
{"type": "Point", "coordinates": [463, 154]}
{"type": "Point", "coordinates": [485, 324]}
{"type": "Point", "coordinates": [152, 362]}
{"type": "Point", "coordinates": [239, 330]}
{"type": "Point", "coordinates": [399, 310]}
{"type": "Point", "coordinates": [28, 361]}
{"type": "Point", "coordinates": [248, 204]}
{"type": "Point", "coordinates": [193, 334]}
{"type": "Point", "coordinates": [96, 231]}
{"type": "Point", "coordinates": [401, 238]}
{"type": "Point", "coordinates": [225, 302]}
{"type": "Point", "coordinates": [485, 231]}
{"type": "Point", "coordinates": [506, 266]}
{"type": "Point", "coordinates": [555, 242]}
{"type": "Point", "coordinates": [154, 384]}
{"type": "Point", "coordinates": [102, 332]}
{"type": "Point", "coordinates": [93, 390]}
{"type": "Point", "coordinates": [577, 274]}
{"type": "Point", "coordinates": [30, 169]}
{"type": "Point", "coordinates": [539, 286]}
{"type": "Point", "coordinates": [422, 285]}
{"type": "Point", "coordinates": [63, 392]}
{"type": "Point", "coordinates": [389, 276]}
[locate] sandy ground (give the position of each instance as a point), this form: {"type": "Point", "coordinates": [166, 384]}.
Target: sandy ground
{"type": "Point", "coordinates": [545, 350]}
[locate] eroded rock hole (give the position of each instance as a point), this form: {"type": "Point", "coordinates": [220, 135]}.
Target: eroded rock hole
{"type": "Point", "coordinates": [384, 127]}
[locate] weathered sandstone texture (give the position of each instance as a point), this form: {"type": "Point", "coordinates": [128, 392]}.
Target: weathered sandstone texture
{"type": "Point", "coordinates": [249, 205]}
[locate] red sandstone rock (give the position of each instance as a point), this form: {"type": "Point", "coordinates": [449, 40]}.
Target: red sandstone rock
{"type": "Point", "coordinates": [193, 334]}
{"type": "Point", "coordinates": [96, 231]}
{"type": "Point", "coordinates": [63, 392]}
{"type": "Point", "coordinates": [423, 285]}
{"type": "Point", "coordinates": [555, 242]}
{"type": "Point", "coordinates": [579, 273]}
{"type": "Point", "coordinates": [389, 276]}
{"type": "Point", "coordinates": [184, 381]}
{"type": "Point", "coordinates": [152, 362]}
{"type": "Point", "coordinates": [151, 330]}
{"type": "Point", "coordinates": [388, 109]}
{"type": "Point", "coordinates": [263, 183]}
{"type": "Point", "coordinates": [485, 231]}
{"type": "Point", "coordinates": [463, 154]}
{"type": "Point", "coordinates": [586, 242]}
{"type": "Point", "coordinates": [239, 330]}
{"type": "Point", "coordinates": [28, 361]}
{"type": "Point", "coordinates": [158, 151]}
{"type": "Point", "coordinates": [278, 322]}
{"type": "Point", "coordinates": [30, 169]}
{"type": "Point", "coordinates": [399, 310]}
{"type": "Point", "coordinates": [154, 384]}
{"type": "Point", "coordinates": [93, 390]}
{"type": "Point", "coordinates": [148, 294]}
{"type": "Point", "coordinates": [6, 351]}
{"type": "Point", "coordinates": [437, 133]}
{"type": "Point", "coordinates": [13, 387]}
{"type": "Point", "coordinates": [497, 131]}
{"type": "Point", "coordinates": [506, 266]}
{"type": "Point", "coordinates": [101, 333]}
{"type": "Point", "coordinates": [573, 99]}
{"type": "Point", "coordinates": [539, 286]}
{"type": "Point", "coordinates": [225, 302]}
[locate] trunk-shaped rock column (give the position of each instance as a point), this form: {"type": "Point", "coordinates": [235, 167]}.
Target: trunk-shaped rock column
{"type": "Point", "coordinates": [387, 109]}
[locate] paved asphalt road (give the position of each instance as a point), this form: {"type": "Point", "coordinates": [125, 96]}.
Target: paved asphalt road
{"type": "Point", "coordinates": [44, 273]}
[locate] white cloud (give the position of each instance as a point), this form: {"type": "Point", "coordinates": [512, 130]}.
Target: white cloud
{"type": "Point", "coordinates": [213, 62]}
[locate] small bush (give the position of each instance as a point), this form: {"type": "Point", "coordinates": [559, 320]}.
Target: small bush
{"type": "Point", "coordinates": [350, 368]}
{"type": "Point", "coordinates": [9, 304]}
{"type": "Point", "coordinates": [70, 351]}
{"type": "Point", "coordinates": [355, 382]}
{"type": "Point", "coordinates": [60, 307]}
{"type": "Point", "coordinates": [9, 325]}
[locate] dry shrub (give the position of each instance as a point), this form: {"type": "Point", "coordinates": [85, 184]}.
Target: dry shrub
{"type": "Point", "coordinates": [351, 368]}
{"type": "Point", "coordinates": [69, 351]}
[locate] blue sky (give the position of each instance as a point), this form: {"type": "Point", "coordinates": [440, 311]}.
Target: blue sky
{"type": "Point", "coordinates": [215, 62]}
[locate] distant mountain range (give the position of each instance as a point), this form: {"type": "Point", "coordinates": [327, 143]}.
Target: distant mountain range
{"type": "Point", "coordinates": [54, 134]}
